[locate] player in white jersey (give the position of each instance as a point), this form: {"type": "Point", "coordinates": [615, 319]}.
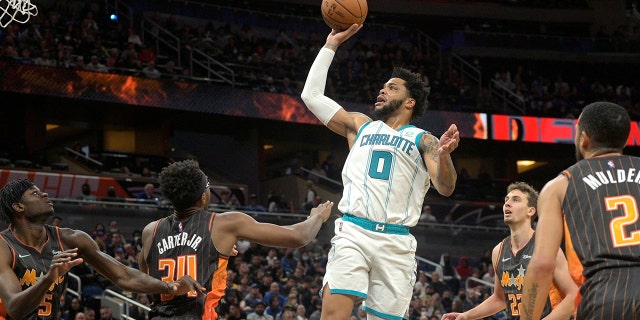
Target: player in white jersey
{"type": "Point", "coordinates": [390, 166]}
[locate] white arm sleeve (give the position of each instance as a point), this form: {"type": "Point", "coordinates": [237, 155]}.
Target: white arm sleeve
{"type": "Point", "coordinates": [313, 96]}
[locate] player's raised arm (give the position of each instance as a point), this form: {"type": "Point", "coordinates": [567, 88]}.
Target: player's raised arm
{"type": "Point", "coordinates": [324, 108]}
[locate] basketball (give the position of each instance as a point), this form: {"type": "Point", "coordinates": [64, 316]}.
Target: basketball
{"type": "Point", "coordinates": [341, 14]}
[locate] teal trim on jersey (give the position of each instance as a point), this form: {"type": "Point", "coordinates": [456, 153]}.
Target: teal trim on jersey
{"type": "Point", "coordinates": [349, 292]}
{"type": "Point", "coordinates": [418, 137]}
{"type": "Point", "coordinates": [361, 129]}
{"type": "Point", "coordinates": [380, 314]}
{"type": "Point", "coordinates": [406, 126]}
{"type": "Point", "coordinates": [387, 228]}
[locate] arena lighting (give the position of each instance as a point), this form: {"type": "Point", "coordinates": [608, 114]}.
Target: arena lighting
{"type": "Point", "coordinates": [113, 17]}
{"type": "Point", "coordinates": [526, 165]}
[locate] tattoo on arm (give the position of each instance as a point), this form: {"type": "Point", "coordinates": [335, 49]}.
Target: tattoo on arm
{"type": "Point", "coordinates": [430, 146]}
{"type": "Point", "coordinates": [528, 308]}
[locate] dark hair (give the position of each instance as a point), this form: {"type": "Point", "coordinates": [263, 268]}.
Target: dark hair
{"type": "Point", "coordinates": [182, 183]}
{"type": "Point", "coordinates": [531, 192]}
{"type": "Point", "coordinates": [416, 87]}
{"type": "Point", "coordinates": [607, 124]}
{"type": "Point", "coordinates": [11, 193]}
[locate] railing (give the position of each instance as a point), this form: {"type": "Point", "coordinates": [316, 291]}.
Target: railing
{"type": "Point", "coordinates": [431, 46]}
{"type": "Point", "coordinates": [126, 301]}
{"type": "Point", "coordinates": [76, 293]}
{"type": "Point", "coordinates": [474, 279]}
{"type": "Point", "coordinates": [95, 164]}
{"type": "Point", "coordinates": [508, 97]}
{"type": "Point", "coordinates": [162, 36]}
{"type": "Point", "coordinates": [467, 70]}
{"type": "Point", "coordinates": [337, 185]}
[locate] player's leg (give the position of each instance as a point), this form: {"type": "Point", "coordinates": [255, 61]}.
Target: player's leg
{"type": "Point", "coordinates": [347, 274]}
{"type": "Point", "coordinates": [336, 306]}
{"type": "Point", "coordinates": [392, 275]}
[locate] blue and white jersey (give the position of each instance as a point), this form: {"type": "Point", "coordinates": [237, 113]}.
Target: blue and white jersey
{"type": "Point", "coordinates": [385, 178]}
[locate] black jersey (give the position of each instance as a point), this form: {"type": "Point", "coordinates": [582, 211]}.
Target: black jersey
{"type": "Point", "coordinates": [29, 264]}
{"type": "Point", "coordinates": [602, 220]}
{"type": "Point", "coordinates": [511, 271]}
{"type": "Point", "coordinates": [185, 248]}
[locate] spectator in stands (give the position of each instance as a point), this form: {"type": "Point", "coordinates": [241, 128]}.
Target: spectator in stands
{"type": "Point", "coordinates": [228, 201]}
{"type": "Point", "coordinates": [317, 173]}
{"type": "Point", "coordinates": [463, 268]}
{"type": "Point", "coordinates": [438, 284]}
{"type": "Point", "coordinates": [57, 221]}
{"type": "Point", "coordinates": [289, 262]}
{"type": "Point", "coordinates": [254, 296]}
{"type": "Point", "coordinates": [148, 194]}
{"type": "Point", "coordinates": [274, 291]}
{"type": "Point", "coordinates": [137, 312]}
{"type": "Point", "coordinates": [106, 313]}
{"type": "Point", "coordinates": [80, 316]}
{"type": "Point", "coordinates": [133, 37]}
{"type": "Point", "coordinates": [113, 227]}
{"type": "Point", "coordinates": [170, 71]}
{"type": "Point", "coordinates": [130, 255]}
{"type": "Point", "coordinates": [89, 313]}
{"type": "Point", "coordinates": [112, 196]}
{"type": "Point", "coordinates": [301, 312]}
{"type": "Point", "coordinates": [315, 315]}
{"type": "Point", "coordinates": [150, 70]}
{"type": "Point", "coordinates": [307, 206]}
{"type": "Point", "coordinates": [45, 59]}
{"type": "Point", "coordinates": [235, 312]}
{"type": "Point", "coordinates": [420, 288]}
{"type": "Point", "coordinates": [448, 272]}
{"type": "Point", "coordinates": [427, 216]}
{"type": "Point", "coordinates": [115, 242]}
{"type": "Point", "coordinates": [86, 193]}
{"type": "Point", "coordinates": [113, 59]}
{"type": "Point", "coordinates": [147, 54]}
{"type": "Point", "coordinates": [490, 275]}
{"type": "Point", "coordinates": [73, 308]}
{"type": "Point", "coordinates": [331, 168]}
{"type": "Point", "coordinates": [253, 204]}
{"type": "Point", "coordinates": [80, 65]}
{"type": "Point", "coordinates": [287, 88]}
{"type": "Point", "coordinates": [259, 312]}
{"type": "Point", "coordinates": [275, 306]}
{"type": "Point", "coordinates": [136, 240]}
{"type": "Point", "coordinates": [99, 232]}
{"type": "Point", "coordinates": [311, 193]}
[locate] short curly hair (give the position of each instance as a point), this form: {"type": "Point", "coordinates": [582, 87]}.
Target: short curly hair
{"type": "Point", "coordinates": [418, 90]}
{"type": "Point", "coordinates": [183, 183]}
{"type": "Point", "coordinates": [11, 193]}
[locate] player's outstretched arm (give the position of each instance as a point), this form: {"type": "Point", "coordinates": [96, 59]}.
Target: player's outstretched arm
{"type": "Point", "coordinates": [229, 227]}
{"type": "Point", "coordinates": [437, 158]}
{"type": "Point", "coordinates": [19, 303]}
{"type": "Point", "coordinates": [123, 276]}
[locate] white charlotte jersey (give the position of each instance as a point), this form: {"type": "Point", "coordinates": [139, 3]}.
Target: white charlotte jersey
{"type": "Point", "coordinates": [385, 178]}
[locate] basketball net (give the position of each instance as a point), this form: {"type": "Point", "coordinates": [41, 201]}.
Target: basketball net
{"type": "Point", "coordinates": [16, 10]}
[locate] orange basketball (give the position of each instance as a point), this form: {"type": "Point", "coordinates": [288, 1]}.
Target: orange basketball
{"type": "Point", "coordinates": [341, 14]}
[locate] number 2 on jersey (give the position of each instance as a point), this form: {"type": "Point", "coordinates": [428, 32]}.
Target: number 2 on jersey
{"type": "Point", "coordinates": [515, 303]}
{"type": "Point", "coordinates": [619, 236]}
{"type": "Point", "coordinates": [176, 268]}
